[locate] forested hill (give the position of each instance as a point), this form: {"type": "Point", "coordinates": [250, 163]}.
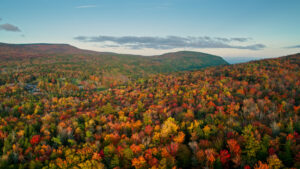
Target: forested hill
{"type": "Point", "coordinates": [236, 116]}
{"type": "Point", "coordinates": [31, 63]}
{"type": "Point", "coordinates": [21, 51]}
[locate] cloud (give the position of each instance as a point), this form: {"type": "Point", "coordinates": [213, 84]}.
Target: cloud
{"type": "Point", "coordinates": [86, 6]}
{"type": "Point", "coordinates": [170, 42]}
{"type": "Point", "coordinates": [9, 27]}
{"type": "Point", "coordinates": [293, 47]}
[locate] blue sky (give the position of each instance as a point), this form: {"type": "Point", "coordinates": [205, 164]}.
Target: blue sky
{"type": "Point", "coordinates": [229, 28]}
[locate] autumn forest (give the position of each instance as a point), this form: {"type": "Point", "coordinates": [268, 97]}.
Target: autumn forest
{"type": "Point", "coordinates": [104, 110]}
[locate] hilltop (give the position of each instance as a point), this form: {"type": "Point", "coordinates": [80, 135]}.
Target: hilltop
{"type": "Point", "coordinates": [14, 51]}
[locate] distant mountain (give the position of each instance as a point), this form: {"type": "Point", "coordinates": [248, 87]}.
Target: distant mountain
{"type": "Point", "coordinates": [183, 59]}
{"type": "Point", "coordinates": [62, 58]}
{"type": "Point", "coordinates": [188, 60]}
{"type": "Point", "coordinates": [38, 49]}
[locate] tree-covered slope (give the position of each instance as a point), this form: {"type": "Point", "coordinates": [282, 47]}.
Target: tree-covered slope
{"type": "Point", "coordinates": [236, 116]}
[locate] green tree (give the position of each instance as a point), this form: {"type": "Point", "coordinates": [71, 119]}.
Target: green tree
{"type": "Point", "coordinates": [252, 145]}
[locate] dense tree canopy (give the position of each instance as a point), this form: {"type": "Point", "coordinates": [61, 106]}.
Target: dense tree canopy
{"type": "Point", "coordinates": [237, 116]}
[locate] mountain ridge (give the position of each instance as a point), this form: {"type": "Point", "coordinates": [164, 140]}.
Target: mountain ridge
{"type": "Point", "coordinates": [70, 49]}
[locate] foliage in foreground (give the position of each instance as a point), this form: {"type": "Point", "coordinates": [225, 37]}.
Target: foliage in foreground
{"type": "Point", "coordinates": [239, 116]}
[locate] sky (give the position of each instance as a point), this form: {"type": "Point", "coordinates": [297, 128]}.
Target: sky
{"type": "Point", "coordinates": [238, 30]}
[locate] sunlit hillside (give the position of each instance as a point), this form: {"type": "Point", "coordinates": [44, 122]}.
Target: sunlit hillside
{"type": "Point", "coordinates": [232, 116]}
